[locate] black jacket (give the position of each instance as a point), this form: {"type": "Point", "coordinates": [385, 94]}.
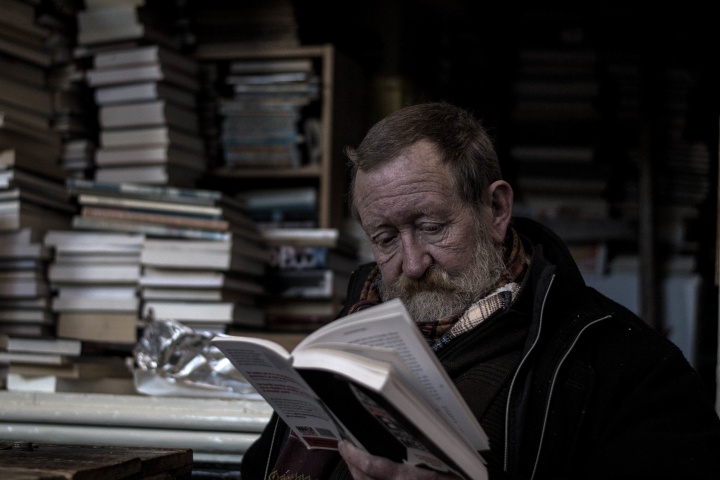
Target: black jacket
{"type": "Point", "coordinates": [598, 393]}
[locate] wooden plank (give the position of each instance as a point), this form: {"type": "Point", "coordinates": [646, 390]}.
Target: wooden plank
{"type": "Point", "coordinates": [76, 462]}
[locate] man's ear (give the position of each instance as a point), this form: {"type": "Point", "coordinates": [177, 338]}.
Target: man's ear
{"type": "Point", "coordinates": [501, 203]}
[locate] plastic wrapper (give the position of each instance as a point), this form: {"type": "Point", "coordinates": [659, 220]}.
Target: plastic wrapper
{"type": "Point", "coordinates": [173, 359]}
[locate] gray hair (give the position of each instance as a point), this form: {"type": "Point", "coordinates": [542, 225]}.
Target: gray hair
{"type": "Point", "coordinates": [460, 139]}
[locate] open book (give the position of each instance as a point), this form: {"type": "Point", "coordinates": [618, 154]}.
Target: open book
{"type": "Point", "coordinates": [369, 377]}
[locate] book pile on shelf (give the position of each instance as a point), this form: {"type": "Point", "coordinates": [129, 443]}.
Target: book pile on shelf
{"type": "Point", "coordinates": [32, 187]}
{"type": "Point", "coordinates": [30, 204]}
{"type": "Point", "coordinates": [48, 364]}
{"type": "Point", "coordinates": [74, 117]}
{"type": "Point", "coordinates": [292, 207]}
{"type": "Point", "coordinates": [558, 175]}
{"type": "Point", "coordinates": [34, 195]}
{"type": "Point", "coordinates": [208, 285]}
{"type": "Point", "coordinates": [33, 40]}
{"type": "Point", "coordinates": [562, 179]}
{"type": "Point", "coordinates": [202, 258]}
{"type": "Point", "coordinates": [78, 157]}
{"type": "Point", "coordinates": [681, 168]}
{"type": "Point", "coordinates": [307, 276]}
{"type": "Point", "coordinates": [146, 93]}
{"type": "Point", "coordinates": [24, 288]}
{"type": "Point", "coordinates": [265, 117]}
{"type": "Point", "coordinates": [40, 95]}
{"type": "Point", "coordinates": [159, 211]}
{"type": "Point", "coordinates": [94, 277]}
{"type": "Point", "coordinates": [308, 272]}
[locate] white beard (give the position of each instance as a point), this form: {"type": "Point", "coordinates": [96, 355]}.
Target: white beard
{"type": "Point", "coordinates": [437, 295]}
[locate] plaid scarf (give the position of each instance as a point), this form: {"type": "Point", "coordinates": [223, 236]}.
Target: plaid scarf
{"type": "Point", "coordinates": [440, 332]}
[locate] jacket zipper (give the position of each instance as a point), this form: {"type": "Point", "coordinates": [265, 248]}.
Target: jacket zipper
{"type": "Point", "coordinates": [517, 370]}
{"type": "Point", "coordinates": [552, 384]}
{"type": "Point", "coordinates": [552, 389]}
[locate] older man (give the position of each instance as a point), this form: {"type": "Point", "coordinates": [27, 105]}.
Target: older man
{"type": "Point", "coordinates": [566, 382]}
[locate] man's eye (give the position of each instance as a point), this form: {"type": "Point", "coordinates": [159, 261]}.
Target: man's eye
{"type": "Point", "coordinates": [384, 240]}
{"type": "Point", "coordinates": [430, 228]}
{"type": "Point", "coordinates": [432, 233]}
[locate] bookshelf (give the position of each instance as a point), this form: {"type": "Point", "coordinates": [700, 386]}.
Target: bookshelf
{"type": "Point", "coordinates": [341, 123]}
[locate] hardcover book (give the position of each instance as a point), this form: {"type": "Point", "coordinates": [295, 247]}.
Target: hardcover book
{"type": "Point", "coordinates": [149, 155]}
{"type": "Point", "coordinates": [153, 113]}
{"type": "Point", "coordinates": [306, 283]}
{"type": "Point", "coordinates": [147, 54]}
{"type": "Point", "coordinates": [99, 77]}
{"type": "Point", "coordinates": [162, 174]}
{"type": "Point", "coordinates": [77, 186]}
{"type": "Point", "coordinates": [60, 346]}
{"type": "Point", "coordinates": [205, 312]}
{"type": "Point", "coordinates": [210, 279]}
{"type": "Point", "coordinates": [127, 137]}
{"type": "Point", "coordinates": [143, 92]}
{"type": "Point", "coordinates": [104, 327]}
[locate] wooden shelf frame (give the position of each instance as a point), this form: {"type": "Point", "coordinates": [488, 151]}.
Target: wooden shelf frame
{"type": "Point", "coordinates": [342, 123]}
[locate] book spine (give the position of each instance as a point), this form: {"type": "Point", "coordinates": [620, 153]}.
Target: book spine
{"type": "Point", "coordinates": [144, 217]}
{"type": "Point", "coordinates": [147, 228]}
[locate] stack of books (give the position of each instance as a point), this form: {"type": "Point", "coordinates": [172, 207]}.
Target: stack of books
{"type": "Point", "coordinates": [49, 364]}
{"type": "Point", "coordinates": [307, 276]}
{"type": "Point", "coordinates": [34, 195]}
{"type": "Point", "coordinates": [24, 288]}
{"type": "Point", "coordinates": [40, 95]}
{"type": "Point", "coordinates": [261, 121]}
{"type": "Point", "coordinates": [177, 282]}
{"type": "Point", "coordinates": [159, 211]}
{"type": "Point", "coordinates": [563, 179]}
{"type": "Point", "coordinates": [146, 97]}
{"type": "Point", "coordinates": [32, 42]}
{"type": "Point", "coordinates": [94, 278]}
{"type": "Point", "coordinates": [308, 272]}
{"type": "Point", "coordinates": [30, 204]}
{"type": "Point", "coordinates": [202, 257]}
{"type": "Point", "coordinates": [78, 157]}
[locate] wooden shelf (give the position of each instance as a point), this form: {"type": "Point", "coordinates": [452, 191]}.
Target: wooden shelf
{"type": "Point", "coordinates": [311, 171]}
{"type": "Point", "coordinates": [230, 51]}
{"type": "Point", "coordinates": [342, 123]}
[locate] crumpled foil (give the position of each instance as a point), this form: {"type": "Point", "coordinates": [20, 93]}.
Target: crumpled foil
{"type": "Point", "coordinates": [174, 359]}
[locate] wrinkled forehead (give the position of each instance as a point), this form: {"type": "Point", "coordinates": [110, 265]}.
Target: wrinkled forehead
{"type": "Point", "coordinates": [418, 159]}
{"type": "Point", "coordinates": [403, 191]}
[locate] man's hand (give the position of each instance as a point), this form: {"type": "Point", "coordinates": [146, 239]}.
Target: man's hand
{"type": "Point", "coordinates": [364, 466]}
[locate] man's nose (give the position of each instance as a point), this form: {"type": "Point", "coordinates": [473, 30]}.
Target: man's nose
{"type": "Point", "coordinates": [416, 258]}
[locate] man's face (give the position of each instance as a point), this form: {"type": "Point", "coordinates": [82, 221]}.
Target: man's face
{"type": "Point", "coordinates": [432, 249]}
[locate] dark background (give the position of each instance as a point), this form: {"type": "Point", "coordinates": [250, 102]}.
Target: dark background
{"type": "Point", "coordinates": [466, 52]}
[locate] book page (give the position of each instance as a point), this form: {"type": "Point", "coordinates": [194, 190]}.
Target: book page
{"type": "Point", "coordinates": [389, 326]}
{"type": "Point", "coordinates": [371, 399]}
{"type": "Point", "coordinates": [267, 367]}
